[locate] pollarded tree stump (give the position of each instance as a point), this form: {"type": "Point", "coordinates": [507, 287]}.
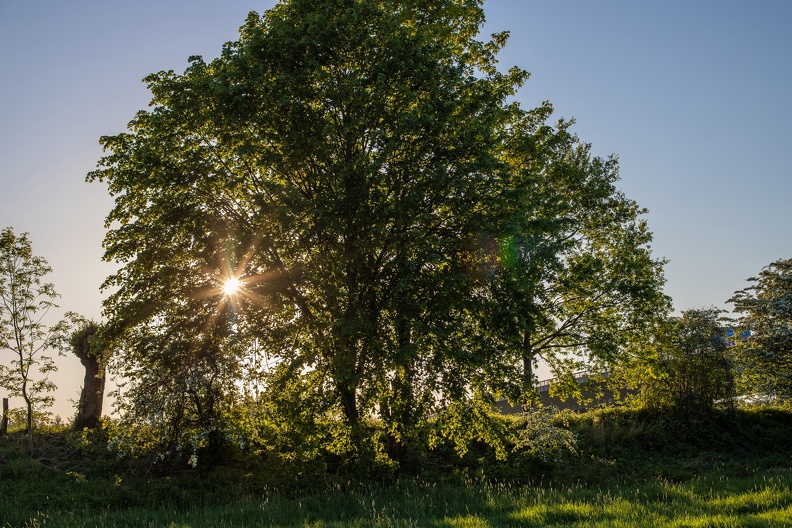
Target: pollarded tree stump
{"type": "Point", "coordinates": [89, 410]}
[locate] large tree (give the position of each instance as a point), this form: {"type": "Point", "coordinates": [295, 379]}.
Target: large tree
{"type": "Point", "coordinates": [572, 282]}
{"type": "Point", "coordinates": [358, 167]}
{"type": "Point", "coordinates": [24, 302]}
{"type": "Point", "coordinates": [335, 160]}
{"type": "Point", "coordinates": [764, 354]}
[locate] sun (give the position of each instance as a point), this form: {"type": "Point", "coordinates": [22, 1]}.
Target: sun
{"type": "Point", "coordinates": [231, 286]}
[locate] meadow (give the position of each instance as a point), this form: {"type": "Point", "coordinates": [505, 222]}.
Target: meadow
{"type": "Point", "coordinates": [630, 470]}
{"type": "Point", "coordinates": [759, 500]}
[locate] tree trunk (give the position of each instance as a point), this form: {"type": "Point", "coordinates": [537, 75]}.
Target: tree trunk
{"type": "Point", "coordinates": [403, 406]}
{"type": "Point", "coordinates": [528, 382]}
{"type": "Point", "coordinates": [349, 400]}
{"type": "Point", "coordinates": [4, 421]}
{"type": "Point", "coordinates": [89, 410]}
{"type": "Point", "coordinates": [29, 418]}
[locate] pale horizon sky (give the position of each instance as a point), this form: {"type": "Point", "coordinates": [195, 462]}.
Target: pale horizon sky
{"type": "Point", "coordinates": [692, 96]}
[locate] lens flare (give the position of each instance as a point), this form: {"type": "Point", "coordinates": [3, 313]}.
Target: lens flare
{"type": "Point", "coordinates": [231, 286]}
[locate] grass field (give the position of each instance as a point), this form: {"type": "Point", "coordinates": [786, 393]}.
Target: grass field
{"type": "Point", "coordinates": [630, 470]}
{"type": "Point", "coordinates": [760, 500]}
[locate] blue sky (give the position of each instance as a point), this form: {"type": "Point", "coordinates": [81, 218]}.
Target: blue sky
{"type": "Point", "coordinates": [694, 98]}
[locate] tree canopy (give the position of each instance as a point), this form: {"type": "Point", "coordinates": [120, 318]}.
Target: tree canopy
{"type": "Point", "coordinates": [399, 227]}
{"type": "Point", "coordinates": [574, 282]}
{"type": "Point", "coordinates": [765, 352]}
{"type": "Point", "coordinates": [24, 301]}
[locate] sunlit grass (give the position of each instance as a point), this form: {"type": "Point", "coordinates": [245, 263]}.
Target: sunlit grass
{"type": "Point", "coordinates": [764, 500]}
{"type": "Point", "coordinates": [626, 477]}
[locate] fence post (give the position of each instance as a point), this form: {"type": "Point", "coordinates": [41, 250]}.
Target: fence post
{"type": "Point", "coordinates": [4, 421]}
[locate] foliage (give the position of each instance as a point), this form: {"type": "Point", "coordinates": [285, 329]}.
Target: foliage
{"type": "Point", "coordinates": [464, 424]}
{"type": "Point", "coordinates": [765, 356]}
{"type": "Point", "coordinates": [573, 283]}
{"type": "Point", "coordinates": [689, 368]}
{"type": "Point", "coordinates": [84, 334]}
{"type": "Point", "coordinates": [400, 229]}
{"type": "Point", "coordinates": [176, 404]}
{"type": "Point", "coordinates": [24, 302]}
{"type": "Point", "coordinates": [331, 159]}
{"type": "Point", "coordinates": [545, 433]}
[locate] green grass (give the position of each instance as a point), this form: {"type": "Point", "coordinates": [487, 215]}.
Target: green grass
{"type": "Point", "coordinates": [633, 470]}
{"type": "Point", "coordinates": [761, 500]}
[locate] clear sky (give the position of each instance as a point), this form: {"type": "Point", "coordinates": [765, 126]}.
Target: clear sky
{"type": "Point", "coordinates": [694, 97]}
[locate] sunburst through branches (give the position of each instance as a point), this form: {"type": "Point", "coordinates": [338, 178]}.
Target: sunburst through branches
{"type": "Point", "coordinates": [231, 286]}
{"type": "Point", "coordinates": [232, 281]}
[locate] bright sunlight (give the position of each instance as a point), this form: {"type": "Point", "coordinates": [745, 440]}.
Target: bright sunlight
{"type": "Point", "coordinates": [231, 286]}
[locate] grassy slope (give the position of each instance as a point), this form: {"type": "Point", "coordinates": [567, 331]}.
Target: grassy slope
{"type": "Point", "coordinates": [633, 469]}
{"type": "Point", "coordinates": [746, 501]}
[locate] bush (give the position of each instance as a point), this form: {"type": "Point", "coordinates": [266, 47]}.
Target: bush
{"type": "Point", "coordinates": [691, 368]}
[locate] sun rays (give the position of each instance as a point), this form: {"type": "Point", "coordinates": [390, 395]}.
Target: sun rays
{"type": "Point", "coordinates": [231, 286]}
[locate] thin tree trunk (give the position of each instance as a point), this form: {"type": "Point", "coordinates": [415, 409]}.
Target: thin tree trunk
{"type": "Point", "coordinates": [528, 384]}
{"type": "Point", "coordinates": [29, 419]}
{"type": "Point", "coordinates": [349, 401]}
{"type": "Point", "coordinates": [4, 421]}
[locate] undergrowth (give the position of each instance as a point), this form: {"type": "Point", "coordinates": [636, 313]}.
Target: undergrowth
{"type": "Point", "coordinates": [712, 467]}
